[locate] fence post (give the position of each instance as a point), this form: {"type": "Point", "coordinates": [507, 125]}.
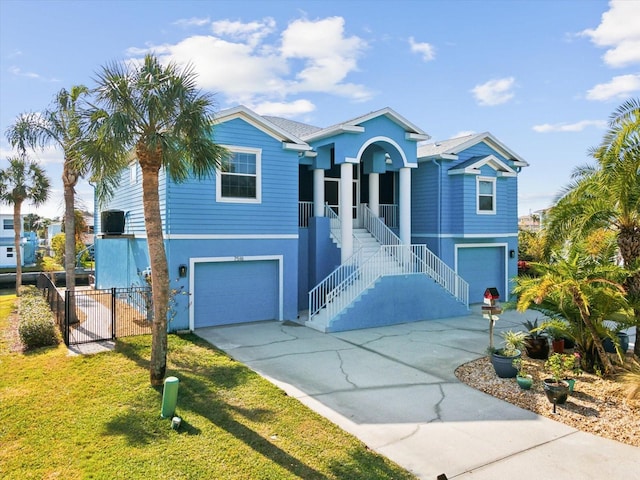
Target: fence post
{"type": "Point", "coordinates": [113, 314]}
{"type": "Point", "coordinates": [67, 303]}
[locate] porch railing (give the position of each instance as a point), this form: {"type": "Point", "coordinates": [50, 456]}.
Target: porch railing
{"type": "Point", "coordinates": [389, 214]}
{"type": "Point", "coordinates": [305, 212]}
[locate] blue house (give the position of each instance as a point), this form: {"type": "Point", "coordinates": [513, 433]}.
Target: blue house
{"type": "Point", "coordinates": [355, 225]}
{"type": "Point", "coordinates": [28, 243]}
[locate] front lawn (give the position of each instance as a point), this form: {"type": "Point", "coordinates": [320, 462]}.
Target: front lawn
{"type": "Point", "coordinates": [97, 417]}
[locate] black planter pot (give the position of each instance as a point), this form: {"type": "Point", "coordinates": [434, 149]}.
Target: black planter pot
{"type": "Point", "coordinates": [556, 392]}
{"type": "Point", "coordinates": [609, 347]}
{"type": "Point", "coordinates": [504, 365]}
{"type": "Point", "coordinates": [537, 347]}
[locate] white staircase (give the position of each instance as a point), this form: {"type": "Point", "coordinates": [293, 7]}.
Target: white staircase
{"type": "Point", "coordinates": [378, 252]}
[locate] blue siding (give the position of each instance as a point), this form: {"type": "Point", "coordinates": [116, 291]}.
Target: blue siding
{"type": "Point", "coordinates": [193, 207]}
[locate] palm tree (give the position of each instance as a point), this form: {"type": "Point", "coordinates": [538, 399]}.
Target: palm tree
{"type": "Point", "coordinates": [581, 290]}
{"type": "Point", "coordinates": [62, 127]}
{"type": "Point", "coordinates": [607, 195]}
{"type": "Point", "coordinates": [24, 180]}
{"type": "Point", "coordinates": [155, 113]}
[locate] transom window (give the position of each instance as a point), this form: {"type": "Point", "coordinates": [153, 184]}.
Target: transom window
{"type": "Point", "coordinates": [239, 179]}
{"type": "Point", "coordinates": [486, 188]}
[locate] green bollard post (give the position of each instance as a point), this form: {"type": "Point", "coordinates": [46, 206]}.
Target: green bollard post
{"type": "Point", "coordinates": [169, 397]}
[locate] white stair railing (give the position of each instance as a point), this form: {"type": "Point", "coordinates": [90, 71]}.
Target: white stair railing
{"type": "Point", "coordinates": [353, 277]}
{"type": "Point", "coordinates": [376, 226]}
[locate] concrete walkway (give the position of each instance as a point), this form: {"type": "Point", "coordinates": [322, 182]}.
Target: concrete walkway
{"type": "Point", "coordinates": [394, 388]}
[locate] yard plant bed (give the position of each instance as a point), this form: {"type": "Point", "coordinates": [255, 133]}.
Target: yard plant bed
{"type": "Point", "coordinates": [596, 406]}
{"type": "Point", "coordinates": [96, 417]}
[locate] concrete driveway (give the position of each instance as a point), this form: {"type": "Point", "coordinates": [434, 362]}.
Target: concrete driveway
{"type": "Point", "coordinates": [394, 388]}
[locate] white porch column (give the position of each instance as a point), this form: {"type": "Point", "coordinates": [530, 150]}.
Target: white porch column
{"type": "Point", "coordinates": [346, 210]}
{"type": "Point", "coordinates": [374, 193]}
{"type": "Point", "coordinates": [405, 205]}
{"type": "Point", "coordinates": [318, 192]}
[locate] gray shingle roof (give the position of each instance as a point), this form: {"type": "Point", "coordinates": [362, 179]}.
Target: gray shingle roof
{"type": "Point", "coordinates": [298, 129]}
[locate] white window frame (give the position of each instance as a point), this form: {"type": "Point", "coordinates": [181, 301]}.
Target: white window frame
{"type": "Point", "coordinates": [133, 173]}
{"type": "Point", "coordinates": [491, 180]}
{"type": "Point", "coordinates": [258, 198]}
{"type": "Point", "coordinates": [7, 221]}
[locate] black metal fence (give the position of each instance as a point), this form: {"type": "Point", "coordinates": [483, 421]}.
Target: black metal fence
{"type": "Point", "coordinates": [87, 315]}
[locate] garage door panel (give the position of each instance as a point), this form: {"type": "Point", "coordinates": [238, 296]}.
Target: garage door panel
{"type": "Point", "coordinates": [482, 267]}
{"type": "Point", "coordinates": [235, 292]}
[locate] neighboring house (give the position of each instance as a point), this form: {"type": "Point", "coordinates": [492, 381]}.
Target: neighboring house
{"type": "Point", "coordinates": [326, 226]}
{"type": "Point", "coordinates": [28, 243]}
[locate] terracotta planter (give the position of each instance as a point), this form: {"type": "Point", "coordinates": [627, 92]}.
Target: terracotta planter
{"type": "Point", "coordinates": [558, 345]}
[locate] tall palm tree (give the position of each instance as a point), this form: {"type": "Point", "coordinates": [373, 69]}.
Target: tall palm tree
{"type": "Point", "coordinates": [607, 195]}
{"type": "Point", "coordinates": [23, 180]}
{"type": "Point", "coordinates": [155, 113]}
{"type": "Point", "coordinates": [60, 126]}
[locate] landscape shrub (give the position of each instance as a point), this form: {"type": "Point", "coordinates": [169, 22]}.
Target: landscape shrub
{"type": "Point", "coordinates": [36, 326]}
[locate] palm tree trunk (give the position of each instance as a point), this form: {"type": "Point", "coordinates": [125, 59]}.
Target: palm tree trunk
{"type": "Point", "coordinates": [69, 180]}
{"type": "Point", "coordinates": [606, 363]}
{"type": "Point", "coordinates": [159, 268]}
{"type": "Point", "coordinates": [16, 241]}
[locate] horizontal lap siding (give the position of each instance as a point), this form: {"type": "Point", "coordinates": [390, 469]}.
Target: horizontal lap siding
{"type": "Point", "coordinates": [193, 206]}
{"type": "Point", "coordinates": [424, 199]}
{"type": "Point", "coordinates": [128, 198]}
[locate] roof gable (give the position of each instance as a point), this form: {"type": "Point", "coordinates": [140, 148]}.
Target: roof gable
{"type": "Point", "coordinates": [355, 126]}
{"type": "Point", "coordinates": [473, 165]}
{"type": "Point", "coordinates": [449, 149]}
{"type": "Point", "coordinates": [290, 141]}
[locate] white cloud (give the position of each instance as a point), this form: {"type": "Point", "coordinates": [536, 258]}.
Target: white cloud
{"type": "Point", "coordinates": [253, 32]}
{"type": "Point", "coordinates": [18, 72]}
{"type": "Point", "coordinates": [494, 92]}
{"type": "Point", "coordinates": [285, 109]}
{"type": "Point", "coordinates": [569, 127]}
{"type": "Point", "coordinates": [192, 22]}
{"type": "Point", "coordinates": [619, 87]}
{"type": "Point", "coordinates": [619, 31]}
{"type": "Point", "coordinates": [327, 54]}
{"type": "Point", "coordinates": [239, 62]}
{"type": "Point", "coordinates": [427, 50]}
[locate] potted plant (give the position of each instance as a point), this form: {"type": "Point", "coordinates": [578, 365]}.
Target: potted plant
{"type": "Point", "coordinates": [502, 358]}
{"type": "Point", "coordinates": [536, 342]}
{"type": "Point", "coordinates": [555, 388]}
{"type": "Point", "coordinates": [524, 380]}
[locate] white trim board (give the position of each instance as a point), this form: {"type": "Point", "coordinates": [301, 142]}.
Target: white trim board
{"type": "Point", "coordinates": [255, 258]}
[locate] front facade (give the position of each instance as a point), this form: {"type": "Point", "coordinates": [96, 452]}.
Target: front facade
{"type": "Point", "coordinates": [344, 227]}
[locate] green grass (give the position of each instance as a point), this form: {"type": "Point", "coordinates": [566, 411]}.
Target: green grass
{"type": "Point", "coordinates": [96, 417]}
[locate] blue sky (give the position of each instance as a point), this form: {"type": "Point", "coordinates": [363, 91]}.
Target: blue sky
{"type": "Point", "coordinates": [542, 76]}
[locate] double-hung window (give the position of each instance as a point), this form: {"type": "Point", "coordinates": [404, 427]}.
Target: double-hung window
{"type": "Point", "coordinates": [239, 178]}
{"type": "Point", "coordinates": [486, 195]}
{"type": "Point", "coordinates": [7, 224]}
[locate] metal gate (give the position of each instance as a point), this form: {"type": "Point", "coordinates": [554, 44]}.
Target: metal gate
{"type": "Point", "coordinates": [88, 315]}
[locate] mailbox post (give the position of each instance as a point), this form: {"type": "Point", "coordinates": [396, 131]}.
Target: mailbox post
{"type": "Point", "coordinates": [490, 310]}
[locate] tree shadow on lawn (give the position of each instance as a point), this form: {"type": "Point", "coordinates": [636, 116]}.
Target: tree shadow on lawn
{"type": "Point", "coordinates": [198, 396]}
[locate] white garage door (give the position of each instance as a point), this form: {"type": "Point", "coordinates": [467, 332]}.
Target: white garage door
{"type": "Point", "coordinates": [482, 267]}
{"type": "Point", "coordinates": [235, 292]}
